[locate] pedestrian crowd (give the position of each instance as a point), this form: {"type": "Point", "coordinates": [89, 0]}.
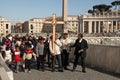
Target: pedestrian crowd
{"type": "Point", "coordinates": [23, 51]}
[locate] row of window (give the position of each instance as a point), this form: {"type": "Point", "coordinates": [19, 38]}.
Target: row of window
{"type": "Point", "coordinates": [7, 26]}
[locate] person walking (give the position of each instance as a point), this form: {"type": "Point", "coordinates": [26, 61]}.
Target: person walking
{"type": "Point", "coordinates": [81, 46]}
{"type": "Point", "coordinates": [41, 52]}
{"type": "Point", "coordinates": [65, 50]}
{"type": "Point", "coordinates": [57, 54]}
{"type": "Point", "coordinates": [27, 57]}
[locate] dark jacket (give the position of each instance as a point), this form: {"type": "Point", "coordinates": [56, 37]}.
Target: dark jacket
{"type": "Point", "coordinates": [80, 45]}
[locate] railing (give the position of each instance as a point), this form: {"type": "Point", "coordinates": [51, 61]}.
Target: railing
{"type": "Point", "coordinates": [102, 40]}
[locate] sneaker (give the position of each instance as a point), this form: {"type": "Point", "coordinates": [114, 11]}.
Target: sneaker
{"type": "Point", "coordinates": [16, 71]}
{"type": "Point", "coordinates": [60, 70]}
{"type": "Point", "coordinates": [53, 70]}
{"type": "Point", "coordinates": [73, 70]}
{"type": "Point", "coordinates": [83, 71]}
{"type": "Point", "coordinates": [66, 68]}
{"type": "Point", "coordinates": [29, 71]}
{"type": "Point", "coordinates": [25, 70]}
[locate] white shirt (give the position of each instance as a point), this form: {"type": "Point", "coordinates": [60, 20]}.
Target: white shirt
{"type": "Point", "coordinates": [8, 55]}
{"type": "Point", "coordinates": [57, 47]}
{"type": "Point", "coordinates": [80, 40]}
{"type": "Point", "coordinates": [65, 43]}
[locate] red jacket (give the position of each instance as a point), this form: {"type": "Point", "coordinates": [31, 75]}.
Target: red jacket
{"type": "Point", "coordinates": [29, 51]}
{"type": "Point", "coordinates": [17, 56]}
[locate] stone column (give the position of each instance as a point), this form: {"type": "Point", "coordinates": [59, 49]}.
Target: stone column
{"type": "Point", "coordinates": [112, 27]}
{"type": "Point", "coordinates": [80, 26]}
{"type": "Point", "coordinates": [116, 26]}
{"type": "Point", "coordinates": [108, 27]}
{"type": "Point", "coordinates": [95, 27]}
{"type": "Point", "coordinates": [83, 27]}
{"type": "Point", "coordinates": [90, 27]}
{"type": "Point", "coordinates": [64, 15]}
{"type": "Point", "coordinates": [99, 27]}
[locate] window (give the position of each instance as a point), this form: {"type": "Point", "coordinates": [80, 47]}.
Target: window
{"type": "Point", "coordinates": [6, 31]}
{"type": "Point", "coordinates": [6, 26]}
{"type": "Point", "coordinates": [76, 24]}
{"type": "Point", "coordinates": [72, 24]}
{"type": "Point", "coordinates": [114, 14]}
{"type": "Point", "coordinates": [118, 13]}
{"type": "Point", "coordinates": [31, 26]}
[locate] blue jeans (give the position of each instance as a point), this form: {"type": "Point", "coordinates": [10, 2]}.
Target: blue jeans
{"type": "Point", "coordinates": [17, 66]}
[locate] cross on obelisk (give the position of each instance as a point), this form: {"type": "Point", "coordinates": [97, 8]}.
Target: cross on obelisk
{"type": "Point", "coordinates": [54, 22]}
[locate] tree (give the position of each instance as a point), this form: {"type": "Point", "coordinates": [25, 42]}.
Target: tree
{"type": "Point", "coordinates": [90, 11]}
{"type": "Point", "coordinates": [101, 8]}
{"type": "Point", "coordinates": [116, 4]}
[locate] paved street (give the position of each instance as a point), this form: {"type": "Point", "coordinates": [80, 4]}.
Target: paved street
{"type": "Point", "coordinates": [66, 75]}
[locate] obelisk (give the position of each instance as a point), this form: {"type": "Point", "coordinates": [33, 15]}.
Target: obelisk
{"type": "Point", "coordinates": [64, 15]}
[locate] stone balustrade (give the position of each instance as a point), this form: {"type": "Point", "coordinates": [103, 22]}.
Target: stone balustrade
{"type": "Point", "coordinates": [102, 40]}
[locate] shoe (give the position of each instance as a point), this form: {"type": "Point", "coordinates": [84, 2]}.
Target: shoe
{"type": "Point", "coordinates": [66, 68]}
{"type": "Point", "coordinates": [53, 70]}
{"type": "Point", "coordinates": [29, 71]}
{"type": "Point", "coordinates": [83, 71]}
{"type": "Point", "coordinates": [25, 70]}
{"type": "Point", "coordinates": [38, 68]}
{"type": "Point", "coordinates": [73, 70]}
{"type": "Point", "coordinates": [43, 70]}
{"type": "Point", "coordinates": [16, 71]}
{"type": "Point", "coordinates": [60, 70]}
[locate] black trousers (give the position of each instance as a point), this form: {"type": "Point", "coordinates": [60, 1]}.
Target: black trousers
{"type": "Point", "coordinates": [65, 58]}
{"type": "Point", "coordinates": [77, 56]}
{"type": "Point", "coordinates": [28, 64]}
{"type": "Point", "coordinates": [48, 58]}
{"type": "Point", "coordinates": [58, 58]}
{"type": "Point", "coordinates": [41, 62]}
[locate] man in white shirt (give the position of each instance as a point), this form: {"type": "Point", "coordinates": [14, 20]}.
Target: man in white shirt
{"type": "Point", "coordinates": [57, 54]}
{"type": "Point", "coordinates": [65, 50]}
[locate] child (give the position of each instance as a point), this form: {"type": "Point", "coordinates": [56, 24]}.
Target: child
{"type": "Point", "coordinates": [17, 58]}
{"type": "Point", "coordinates": [8, 56]}
{"type": "Point", "coordinates": [28, 57]}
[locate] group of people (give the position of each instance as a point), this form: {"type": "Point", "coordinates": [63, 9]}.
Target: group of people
{"type": "Point", "coordinates": [23, 50]}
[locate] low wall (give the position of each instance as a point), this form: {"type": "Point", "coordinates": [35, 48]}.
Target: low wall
{"type": "Point", "coordinates": [5, 72]}
{"type": "Point", "coordinates": [104, 57]}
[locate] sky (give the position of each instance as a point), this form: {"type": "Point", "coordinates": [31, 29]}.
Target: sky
{"type": "Point", "coordinates": [23, 10]}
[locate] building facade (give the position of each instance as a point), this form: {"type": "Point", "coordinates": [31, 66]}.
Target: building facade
{"type": "Point", "coordinates": [5, 26]}
{"type": "Point", "coordinates": [72, 23]}
{"type": "Point", "coordinates": [17, 28]}
{"type": "Point", "coordinates": [37, 25]}
{"type": "Point", "coordinates": [33, 26]}
{"type": "Point", "coordinates": [99, 22]}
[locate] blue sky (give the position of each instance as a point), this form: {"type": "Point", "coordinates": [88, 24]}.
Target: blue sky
{"type": "Point", "coordinates": [22, 10]}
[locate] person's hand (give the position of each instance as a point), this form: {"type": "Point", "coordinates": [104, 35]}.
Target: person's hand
{"type": "Point", "coordinates": [55, 42]}
{"type": "Point", "coordinates": [37, 56]}
{"type": "Point", "coordinates": [80, 51]}
{"type": "Point", "coordinates": [53, 54]}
